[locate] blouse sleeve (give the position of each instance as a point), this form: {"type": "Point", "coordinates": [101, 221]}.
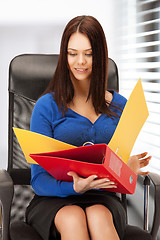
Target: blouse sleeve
{"type": "Point", "coordinates": [41, 122]}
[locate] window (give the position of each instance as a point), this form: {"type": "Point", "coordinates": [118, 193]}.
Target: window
{"type": "Point", "coordinates": [138, 56]}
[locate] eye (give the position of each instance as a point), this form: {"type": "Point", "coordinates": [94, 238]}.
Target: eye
{"type": "Point", "coordinates": [72, 54]}
{"type": "Point", "coordinates": [88, 54]}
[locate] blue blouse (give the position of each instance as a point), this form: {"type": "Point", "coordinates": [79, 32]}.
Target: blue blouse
{"type": "Point", "coordinates": [72, 128]}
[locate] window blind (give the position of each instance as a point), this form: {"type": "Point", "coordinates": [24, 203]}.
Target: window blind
{"type": "Point", "coordinates": [138, 56]}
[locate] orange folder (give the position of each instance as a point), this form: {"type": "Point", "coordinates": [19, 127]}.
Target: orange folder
{"type": "Point", "coordinates": [89, 160]}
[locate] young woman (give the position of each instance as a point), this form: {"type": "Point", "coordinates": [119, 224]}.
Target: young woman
{"type": "Point", "coordinates": [76, 108]}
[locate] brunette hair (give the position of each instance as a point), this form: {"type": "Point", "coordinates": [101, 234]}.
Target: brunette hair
{"type": "Point", "coordinates": [61, 85]}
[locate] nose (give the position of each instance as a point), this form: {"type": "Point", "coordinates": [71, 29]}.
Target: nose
{"type": "Point", "coordinates": [81, 59]}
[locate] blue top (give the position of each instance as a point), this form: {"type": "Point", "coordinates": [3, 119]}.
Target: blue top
{"type": "Point", "coordinates": [72, 128]}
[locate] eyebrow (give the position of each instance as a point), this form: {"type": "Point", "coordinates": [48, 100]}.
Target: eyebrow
{"type": "Point", "coordinates": [77, 50]}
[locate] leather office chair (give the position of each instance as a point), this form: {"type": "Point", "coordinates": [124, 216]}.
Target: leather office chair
{"type": "Point", "coordinates": [28, 77]}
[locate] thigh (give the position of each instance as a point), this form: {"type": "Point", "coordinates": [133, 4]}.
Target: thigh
{"type": "Point", "coordinates": [69, 216]}
{"type": "Point", "coordinates": [100, 222]}
{"type": "Point", "coordinates": [114, 205]}
{"type": "Point", "coordinates": [70, 222]}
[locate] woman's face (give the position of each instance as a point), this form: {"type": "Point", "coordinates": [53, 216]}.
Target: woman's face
{"type": "Point", "coordinates": [79, 57]}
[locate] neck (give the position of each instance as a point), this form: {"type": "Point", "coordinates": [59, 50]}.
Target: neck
{"type": "Point", "coordinates": [81, 88]}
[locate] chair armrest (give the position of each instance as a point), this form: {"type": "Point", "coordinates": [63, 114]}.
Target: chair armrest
{"type": "Point", "coordinates": [22, 231]}
{"type": "Point", "coordinates": [6, 195]}
{"type": "Point", "coordinates": [155, 178]}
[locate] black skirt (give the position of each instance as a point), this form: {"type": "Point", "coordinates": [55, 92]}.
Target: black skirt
{"type": "Point", "coordinates": [42, 210]}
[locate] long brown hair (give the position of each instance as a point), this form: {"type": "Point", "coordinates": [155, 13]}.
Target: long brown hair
{"type": "Point", "coordinates": [61, 85]}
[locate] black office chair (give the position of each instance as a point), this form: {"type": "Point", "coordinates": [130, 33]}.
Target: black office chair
{"type": "Point", "coordinates": [29, 75]}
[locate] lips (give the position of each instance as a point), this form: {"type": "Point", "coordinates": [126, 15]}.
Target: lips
{"type": "Point", "coordinates": [81, 69]}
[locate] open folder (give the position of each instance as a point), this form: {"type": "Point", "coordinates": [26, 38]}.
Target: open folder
{"type": "Point", "coordinates": [134, 115]}
{"type": "Point", "coordinates": [89, 160]}
{"type": "Point", "coordinates": [132, 119]}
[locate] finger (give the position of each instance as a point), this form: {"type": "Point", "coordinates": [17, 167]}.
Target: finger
{"type": "Point", "coordinates": [142, 155]}
{"type": "Point", "coordinates": [146, 159]}
{"type": "Point", "coordinates": [143, 173]}
{"type": "Point", "coordinates": [97, 184]}
{"type": "Point", "coordinates": [73, 174]}
{"type": "Point", "coordinates": [145, 162]}
{"type": "Point", "coordinates": [109, 186]}
{"type": "Point", "coordinates": [105, 186]}
{"type": "Point", "coordinates": [101, 181]}
{"type": "Point", "coordinates": [90, 179]}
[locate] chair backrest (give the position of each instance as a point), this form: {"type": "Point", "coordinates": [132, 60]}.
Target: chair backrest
{"type": "Point", "coordinates": [29, 75]}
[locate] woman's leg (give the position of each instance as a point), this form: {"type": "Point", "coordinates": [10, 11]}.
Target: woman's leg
{"type": "Point", "coordinates": [71, 223]}
{"type": "Point", "coordinates": [100, 223]}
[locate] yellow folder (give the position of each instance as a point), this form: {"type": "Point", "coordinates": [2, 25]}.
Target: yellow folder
{"type": "Point", "coordinates": [32, 142]}
{"type": "Point", "coordinates": [132, 119]}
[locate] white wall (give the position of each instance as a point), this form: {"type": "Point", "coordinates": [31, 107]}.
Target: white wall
{"type": "Point", "coordinates": [35, 26]}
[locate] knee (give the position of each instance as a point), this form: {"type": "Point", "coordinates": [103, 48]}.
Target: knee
{"type": "Point", "coordinates": [69, 216]}
{"type": "Point", "coordinates": [97, 214]}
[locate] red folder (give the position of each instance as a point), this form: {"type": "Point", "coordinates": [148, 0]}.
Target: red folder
{"type": "Point", "coordinates": [89, 160]}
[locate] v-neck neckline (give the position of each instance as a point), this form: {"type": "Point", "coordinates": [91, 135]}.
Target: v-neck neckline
{"type": "Point", "coordinates": [78, 114]}
{"type": "Point", "coordinates": [93, 123]}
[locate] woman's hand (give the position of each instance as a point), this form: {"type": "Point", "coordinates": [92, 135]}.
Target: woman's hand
{"type": "Point", "coordinates": [136, 162]}
{"type": "Point", "coordinates": [82, 185]}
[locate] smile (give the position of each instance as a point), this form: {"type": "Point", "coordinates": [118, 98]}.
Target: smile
{"type": "Point", "coordinates": [81, 69]}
